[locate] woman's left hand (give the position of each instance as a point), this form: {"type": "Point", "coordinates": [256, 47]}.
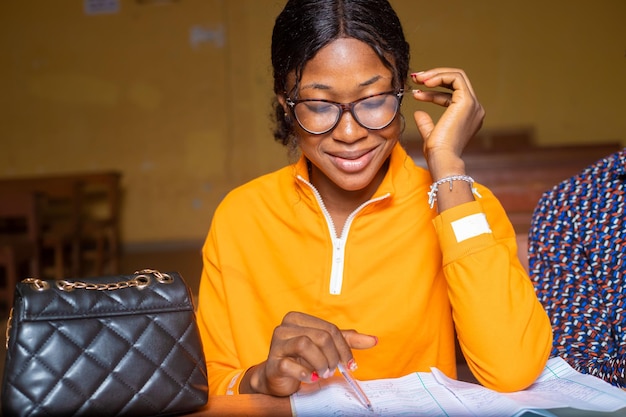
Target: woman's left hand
{"type": "Point", "coordinates": [444, 141]}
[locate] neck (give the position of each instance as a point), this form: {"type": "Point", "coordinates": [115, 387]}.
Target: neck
{"type": "Point", "coordinates": [338, 200]}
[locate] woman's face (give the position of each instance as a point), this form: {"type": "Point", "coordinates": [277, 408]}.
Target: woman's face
{"type": "Point", "coordinates": [349, 156]}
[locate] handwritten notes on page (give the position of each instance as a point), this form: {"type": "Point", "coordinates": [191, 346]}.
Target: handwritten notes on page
{"type": "Point", "coordinates": [561, 386]}
{"type": "Point", "coordinates": [434, 394]}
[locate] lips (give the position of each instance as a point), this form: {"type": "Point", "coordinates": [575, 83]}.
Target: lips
{"type": "Point", "coordinates": [351, 162]}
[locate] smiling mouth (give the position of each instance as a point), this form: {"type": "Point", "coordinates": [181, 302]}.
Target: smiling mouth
{"type": "Point", "coordinates": [351, 162]}
{"type": "Point", "coordinates": [351, 155]}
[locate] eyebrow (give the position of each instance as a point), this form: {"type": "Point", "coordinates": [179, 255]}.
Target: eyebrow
{"type": "Point", "coordinates": [318, 86]}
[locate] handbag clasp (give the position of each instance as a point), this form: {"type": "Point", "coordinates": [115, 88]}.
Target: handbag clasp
{"type": "Point", "coordinates": [36, 284]}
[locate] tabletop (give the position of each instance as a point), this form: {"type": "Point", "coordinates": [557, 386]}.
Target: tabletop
{"type": "Point", "coordinates": [249, 405]}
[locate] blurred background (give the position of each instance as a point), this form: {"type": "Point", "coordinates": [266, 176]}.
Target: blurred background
{"type": "Point", "coordinates": [174, 95]}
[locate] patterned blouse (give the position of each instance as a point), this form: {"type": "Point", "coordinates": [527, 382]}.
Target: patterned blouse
{"type": "Point", "coordinates": [577, 260]}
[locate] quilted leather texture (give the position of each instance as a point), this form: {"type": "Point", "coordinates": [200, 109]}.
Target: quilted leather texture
{"type": "Point", "coordinates": [123, 352]}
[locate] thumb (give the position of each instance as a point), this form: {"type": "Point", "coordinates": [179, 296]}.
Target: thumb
{"type": "Point", "coordinates": [424, 123]}
{"type": "Point", "coordinates": [358, 340]}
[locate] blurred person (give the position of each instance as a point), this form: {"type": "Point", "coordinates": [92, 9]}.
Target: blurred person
{"type": "Point", "coordinates": [576, 256]}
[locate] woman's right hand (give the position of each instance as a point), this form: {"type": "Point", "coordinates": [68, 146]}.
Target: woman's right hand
{"type": "Point", "coordinates": [303, 349]}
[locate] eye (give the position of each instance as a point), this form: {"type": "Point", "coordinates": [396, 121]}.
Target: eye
{"type": "Point", "coordinates": [373, 103]}
{"type": "Point", "coordinates": [319, 107]}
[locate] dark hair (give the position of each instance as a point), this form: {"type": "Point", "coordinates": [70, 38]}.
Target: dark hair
{"type": "Point", "coordinates": [306, 26]}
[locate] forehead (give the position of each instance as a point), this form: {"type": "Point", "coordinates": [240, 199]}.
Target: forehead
{"type": "Point", "coordinates": [343, 65]}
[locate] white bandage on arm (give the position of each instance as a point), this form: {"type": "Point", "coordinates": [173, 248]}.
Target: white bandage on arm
{"type": "Point", "coordinates": [470, 226]}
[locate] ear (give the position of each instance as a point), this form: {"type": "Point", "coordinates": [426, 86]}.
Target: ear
{"type": "Point", "coordinates": [282, 100]}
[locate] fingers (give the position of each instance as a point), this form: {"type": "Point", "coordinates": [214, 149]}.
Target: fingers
{"type": "Point", "coordinates": [424, 122]}
{"type": "Point", "coordinates": [440, 98]}
{"type": "Point", "coordinates": [445, 140]}
{"type": "Point", "coordinates": [310, 349]}
{"type": "Point", "coordinates": [305, 348]}
{"type": "Point", "coordinates": [463, 109]}
{"type": "Point", "coordinates": [358, 340]}
{"type": "Point", "coordinates": [323, 344]}
{"type": "Point", "coordinates": [449, 78]}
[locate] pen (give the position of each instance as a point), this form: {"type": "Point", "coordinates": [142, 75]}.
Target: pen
{"type": "Point", "coordinates": [355, 386]}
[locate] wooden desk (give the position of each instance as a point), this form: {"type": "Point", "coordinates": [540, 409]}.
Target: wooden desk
{"type": "Point", "coordinates": [259, 405]}
{"type": "Point", "coordinates": [248, 405]}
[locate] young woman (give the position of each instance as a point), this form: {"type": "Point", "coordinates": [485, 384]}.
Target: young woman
{"type": "Point", "coordinates": [354, 254]}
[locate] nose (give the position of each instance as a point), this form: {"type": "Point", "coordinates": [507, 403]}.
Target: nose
{"type": "Point", "coordinates": [348, 129]}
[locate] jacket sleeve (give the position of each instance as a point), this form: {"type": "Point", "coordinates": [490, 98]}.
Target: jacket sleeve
{"type": "Point", "coordinates": [503, 330]}
{"type": "Point", "coordinates": [223, 366]}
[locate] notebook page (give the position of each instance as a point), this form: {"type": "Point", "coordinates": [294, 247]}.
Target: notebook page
{"type": "Point", "coordinates": [484, 401]}
{"type": "Point", "coordinates": [559, 385]}
{"type": "Point", "coordinates": [417, 394]}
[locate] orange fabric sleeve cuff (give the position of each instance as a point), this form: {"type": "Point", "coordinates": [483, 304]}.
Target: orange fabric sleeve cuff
{"type": "Point", "coordinates": [450, 247]}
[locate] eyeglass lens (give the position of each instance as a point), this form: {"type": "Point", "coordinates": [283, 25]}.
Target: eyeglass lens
{"type": "Point", "coordinates": [318, 116]}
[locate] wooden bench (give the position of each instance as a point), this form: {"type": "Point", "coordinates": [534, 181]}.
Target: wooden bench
{"type": "Point", "coordinates": [518, 176]}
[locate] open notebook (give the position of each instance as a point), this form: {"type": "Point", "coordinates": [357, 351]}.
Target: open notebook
{"type": "Point", "coordinates": [434, 394]}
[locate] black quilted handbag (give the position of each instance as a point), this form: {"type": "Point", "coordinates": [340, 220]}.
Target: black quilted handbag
{"type": "Point", "coordinates": [110, 346]}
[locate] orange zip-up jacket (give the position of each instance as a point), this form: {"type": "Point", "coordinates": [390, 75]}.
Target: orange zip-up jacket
{"type": "Point", "coordinates": [396, 272]}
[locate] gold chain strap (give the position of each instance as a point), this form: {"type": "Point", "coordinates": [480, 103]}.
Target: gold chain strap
{"type": "Point", "coordinates": [8, 327]}
{"type": "Point", "coordinates": [161, 277]}
{"type": "Point", "coordinates": [140, 281]}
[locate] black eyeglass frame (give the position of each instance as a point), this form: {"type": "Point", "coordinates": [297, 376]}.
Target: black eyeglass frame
{"type": "Point", "coordinates": [346, 106]}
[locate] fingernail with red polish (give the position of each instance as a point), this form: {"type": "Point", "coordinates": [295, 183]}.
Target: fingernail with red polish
{"type": "Point", "coordinates": [352, 366]}
{"type": "Point", "coordinates": [314, 376]}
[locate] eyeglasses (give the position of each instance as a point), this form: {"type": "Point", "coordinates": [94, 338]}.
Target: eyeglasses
{"type": "Point", "coordinates": [321, 116]}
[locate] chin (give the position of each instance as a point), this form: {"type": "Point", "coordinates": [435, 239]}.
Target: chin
{"type": "Point", "coordinates": [355, 185]}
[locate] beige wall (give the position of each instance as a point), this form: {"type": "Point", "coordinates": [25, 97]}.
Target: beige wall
{"type": "Point", "coordinates": [176, 94]}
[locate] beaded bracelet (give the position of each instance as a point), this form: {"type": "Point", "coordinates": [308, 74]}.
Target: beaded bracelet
{"type": "Point", "coordinates": [434, 188]}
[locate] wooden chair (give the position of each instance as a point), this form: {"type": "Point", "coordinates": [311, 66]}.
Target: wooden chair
{"type": "Point", "coordinates": [19, 240]}
{"type": "Point", "coordinates": [99, 223]}
{"type": "Point", "coordinates": [60, 222]}
{"type": "Point", "coordinates": [79, 221]}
